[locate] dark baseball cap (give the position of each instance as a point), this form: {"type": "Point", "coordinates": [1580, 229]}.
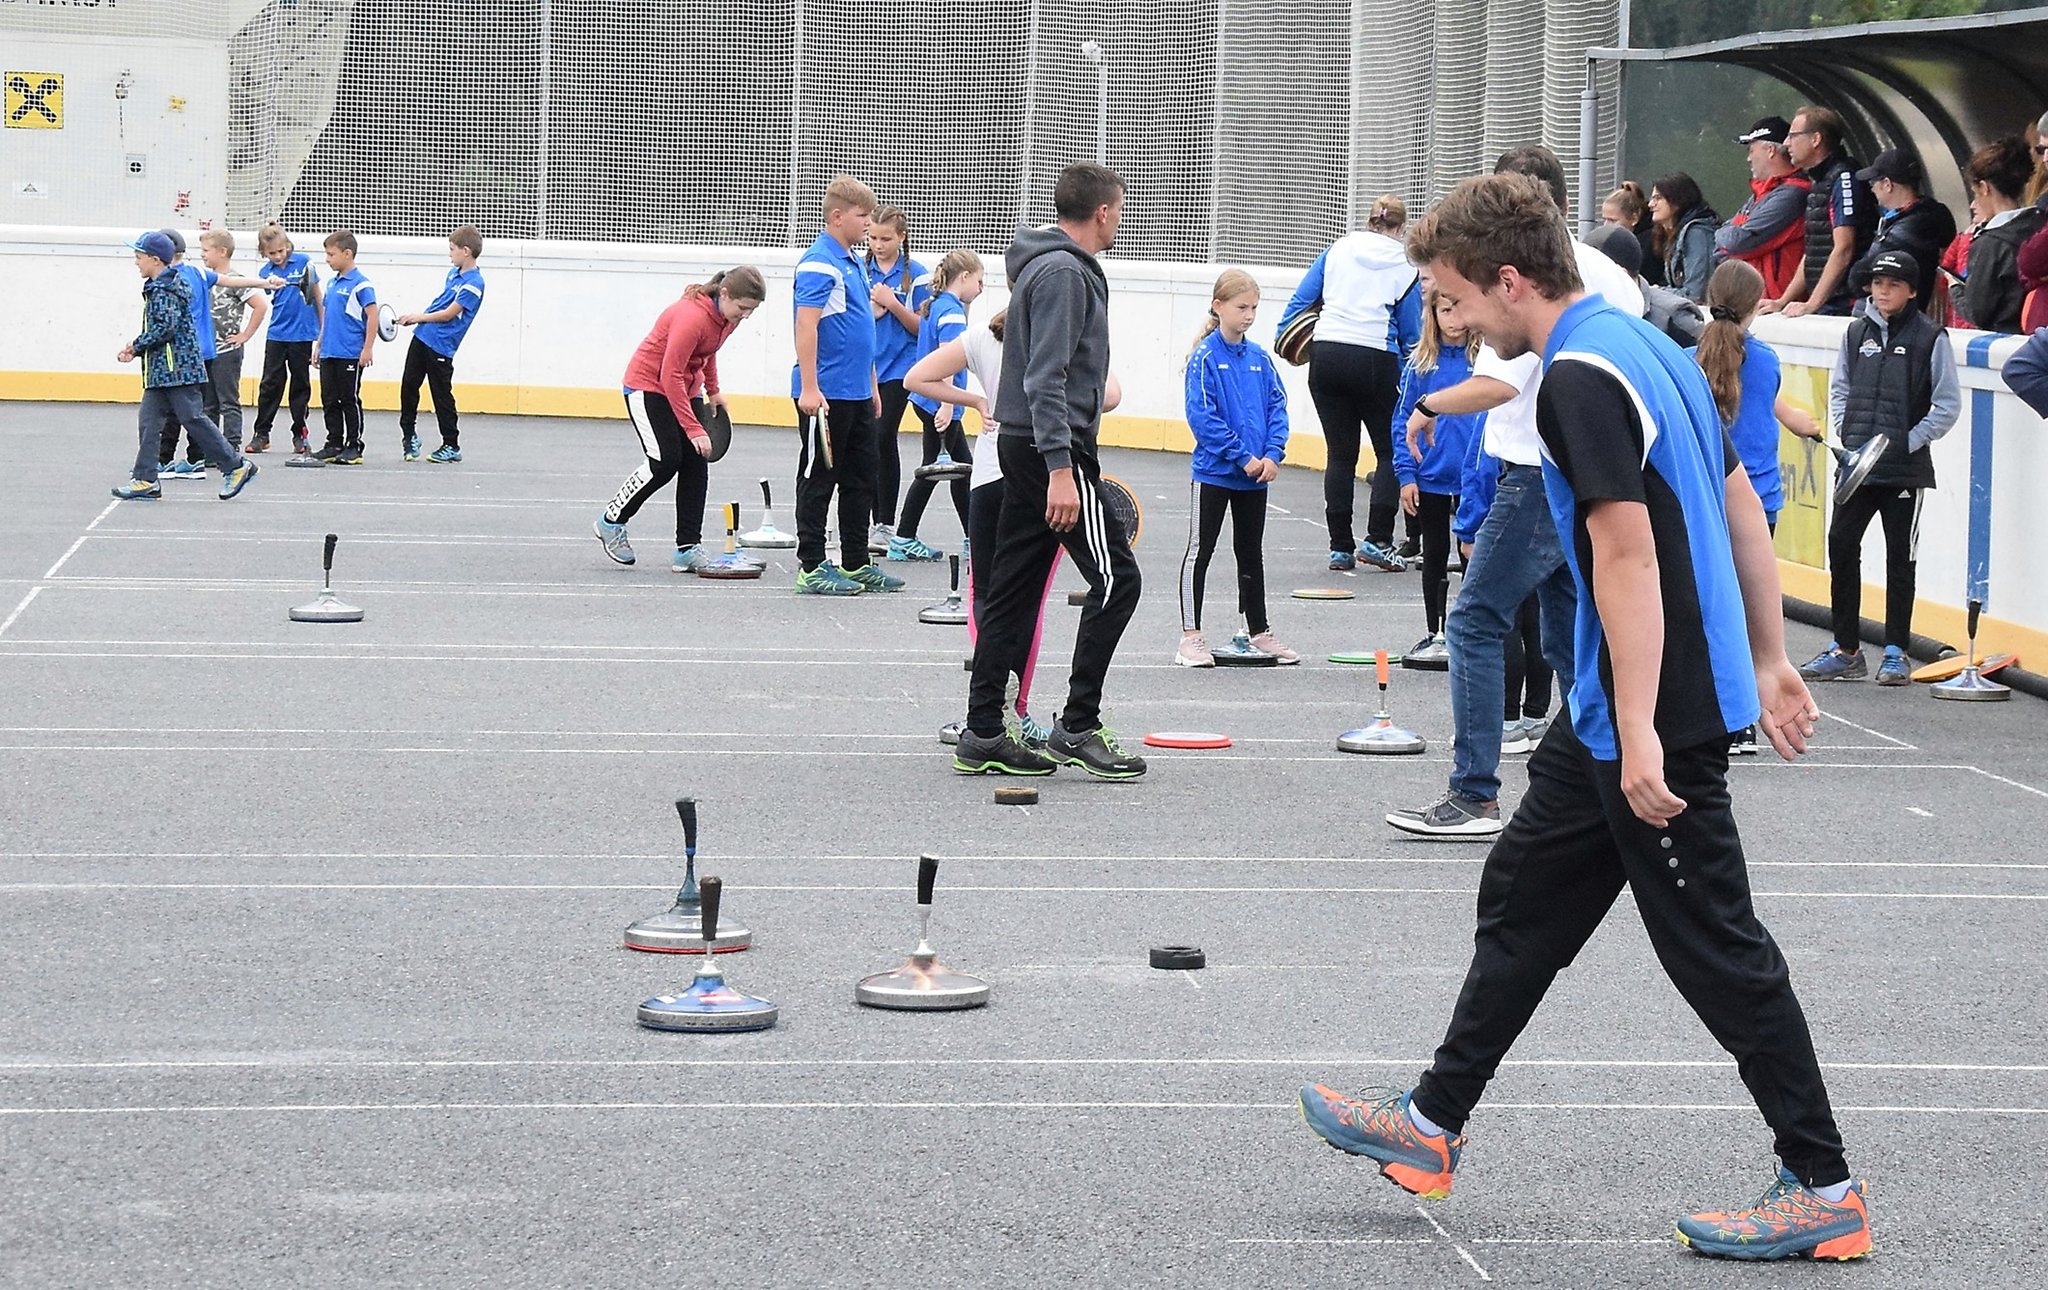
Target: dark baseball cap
{"type": "Point", "coordinates": [1619, 245]}
{"type": "Point", "coordinates": [1898, 166]}
{"type": "Point", "coordinates": [154, 243]}
{"type": "Point", "coordinates": [1770, 129]}
{"type": "Point", "coordinates": [1895, 264]}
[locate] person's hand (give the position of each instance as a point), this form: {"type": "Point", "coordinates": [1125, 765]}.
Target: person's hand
{"type": "Point", "coordinates": [717, 400]}
{"type": "Point", "coordinates": [981, 404]}
{"type": "Point", "coordinates": [1411, 498]}
{"type": "Point", "coordinates": [1789, 712]}
{"type": "Point", "coordinates": [881, 296]}
{"type": "Point", "coordinates": [875, 402]}
{"type": "Point", "coordinates": [1798, 309]}
{"type": "Point", "coordinates": [127, 354]}
{"type": "Point", "coordinates": [1642, 779]}
{"type": "Point", "coordinates": [1465, 550]}
{"type": "Point", "coordinates": [811, 401]}
{"type": "Point", "coordinates": [1422, 432]}
{"type": "Point", "coordinates": [943, 418]}
{"type": "Point", "coordinates": [1251, 468]}
{"type": "Point", "coordinates": [702, 443]}
{"type": "Point", "coordinates": [1801, 424]}
{"type": "Point", "coordinates": [1271, 471]}
{"type": "Point", "coordinates": [1062, 500]}
{"type": "Point", "coordinates": [363, 363]}
{"type": "Point", "coordinates": [243, 339]}
{"type": "Point", "coordinates": [409, 320]}
{"type": "Point", "coordinates": [1770, 307]}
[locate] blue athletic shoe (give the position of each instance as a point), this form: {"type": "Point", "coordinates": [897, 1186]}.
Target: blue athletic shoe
{"type": "Point", "coordinates": [237, 479]}
{"type": "Point", "coordinates": [614, 538]}
{"type": "Point", "coordinates": [1790, 1219]}
{"type": "Point", "coordinates": [446, 453]}
{"type": "Point", "coordinates": [1378, 1127]}
{"type": "Point", "coordinates": [689, 559]}
{"type": "Point", "coordinates": [1894, 670]}
{"type": "Point", "coordinates": [138, 490]}
{"type": "Point", "coordinates": [1342, 561]}
{"type": "Point", "coordinates": [182, 470]}
{"type": "Point", "coordinates": [910, 548]}
{"type": "Point", "coordinates": [1833, 664]}
{"type": "Point", "coordinates": [871, 578]}
{"type": "Point", "coordinates": [826, 580]}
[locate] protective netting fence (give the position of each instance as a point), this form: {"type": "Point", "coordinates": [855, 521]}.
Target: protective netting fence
{"type": "Point", "coordinates": [1249, 130]}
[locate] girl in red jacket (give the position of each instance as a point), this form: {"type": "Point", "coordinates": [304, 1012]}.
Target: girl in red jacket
{"type": "Point", "coordinates": [677, 361]}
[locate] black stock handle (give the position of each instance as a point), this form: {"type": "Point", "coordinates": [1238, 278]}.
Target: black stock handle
{"type": "Point", "coordinates": [954, 560]}
{"type": "Point", "coordinates": [927, 874]}
{"type": "Point", "coordinates": [686, 811]}
{"type": "Point", "coordinates": [1976, 608]}
{"type": "Point", "coordinates": [327, 557]}
{"type": "Point", "coordinates": [766, 500]}
{"type": "Point", "coordinates": [710, 888]}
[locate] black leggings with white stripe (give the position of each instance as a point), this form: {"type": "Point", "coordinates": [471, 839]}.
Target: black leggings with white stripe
{"type": "Point", "coordinates": [1024, 550]}
{"type": "Point", "coordinates": [1207, 504]}
{"type": "Point", "coordinates": [1898, 509]}
{"type": "Point", "coordinates": [669, 456]}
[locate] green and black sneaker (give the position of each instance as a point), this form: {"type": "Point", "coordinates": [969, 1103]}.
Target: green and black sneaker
{"type": "Point", "coordinates": [1096, 752]}
{"type": "Point", "coordinates": [998, 755]}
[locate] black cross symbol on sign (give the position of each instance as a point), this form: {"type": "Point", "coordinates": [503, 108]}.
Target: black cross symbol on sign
{"type": "Point", "coordinates": [33, 99]}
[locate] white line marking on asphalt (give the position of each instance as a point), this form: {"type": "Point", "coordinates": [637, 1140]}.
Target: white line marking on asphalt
{"type": "Point", "coordinates": [1868, 731]}
{"type": "Point", "coordinates": [1924, 814]}
{"type": "Point", "coordinates": [1461, 858]}
{"type": "Point", "coordinates": [33, 592]}
{"type": "Point", "coordinates": [828, 888]}
{"type": "Point", "coordinates": [1190, 976]}
{"type": "Point", "coordinates": [249, 1108]}
{"type": "Point", "coordinates": [73, 548]}
{"type": "Point", "coordinates": [1330, 1240]}
{"type": "Point", "coordinates": [1463, 1253]}
{"type": "Point", "coordinates": [354, 539]}
{"type": "Point", "coordinates": [806, 1063]}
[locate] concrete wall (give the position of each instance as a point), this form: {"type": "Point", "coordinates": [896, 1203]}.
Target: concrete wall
{"type": "Point", "coordinates": [562, 318]}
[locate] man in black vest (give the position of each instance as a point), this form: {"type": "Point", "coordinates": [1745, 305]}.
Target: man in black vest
{"type": "Point", "coordinates": [1913, 222]}
{"type": "Point", "coordinates": [1841, 218]}
{"type": "Point", "coordinates": [1896, 377]}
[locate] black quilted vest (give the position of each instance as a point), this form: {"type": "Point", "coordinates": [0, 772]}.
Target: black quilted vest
{"type": "Point", "coordinates": [1820, 232]}
{"type": "Point", "coordinates": [1891, 386]}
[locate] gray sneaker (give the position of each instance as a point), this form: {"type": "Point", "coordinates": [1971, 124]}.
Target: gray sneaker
{"type": "Point", "coordinates": [1451, 816]}
{"type": "Point", "coordinates": [613, 536]}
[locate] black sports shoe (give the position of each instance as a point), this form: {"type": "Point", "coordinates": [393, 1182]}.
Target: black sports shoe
{"type": "Point", "coordinates": [1096, 752]}
{"type": "Point", "coordinates": [1000, 755]}
{"type": "Point", "coordinates": [329, 453]}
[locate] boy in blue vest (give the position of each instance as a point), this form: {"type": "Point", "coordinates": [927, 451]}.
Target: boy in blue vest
{"type": "Point", "coordinates": [1678, 641]}
{"type": "Point", "coordinates": [1896, 377]}
{"type": "Point", "coordinates": [173, 375]}
{"type": "Point", "coordinates": [431, 356]}
{"type": "Point", "coordinates": [837, 398]}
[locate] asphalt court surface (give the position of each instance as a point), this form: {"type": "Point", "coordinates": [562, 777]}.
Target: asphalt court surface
{"type": "Point", "coordinates": [313, 968]}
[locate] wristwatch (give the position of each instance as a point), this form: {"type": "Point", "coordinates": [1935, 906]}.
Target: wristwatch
{"type": "Point", "coordinates": [1422, 406]}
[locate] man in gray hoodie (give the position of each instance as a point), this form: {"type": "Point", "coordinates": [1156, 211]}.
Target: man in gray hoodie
{"type": "Point", "coordinates": [1048, 411]}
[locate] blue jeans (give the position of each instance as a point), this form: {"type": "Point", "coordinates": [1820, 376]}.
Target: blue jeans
{"type": "Point", "coordinates": [1516, 553]}
{"type": "Point", "coordinates": [187, 403]}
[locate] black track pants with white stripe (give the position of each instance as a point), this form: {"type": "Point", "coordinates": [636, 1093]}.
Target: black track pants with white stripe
{"type": "Point", "coordinates": [669, 456]}
{"type": "Point", "coordinates": [1100, 548]}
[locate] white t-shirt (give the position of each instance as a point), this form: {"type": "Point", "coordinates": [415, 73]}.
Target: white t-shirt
{"type": "Point", "coordinates": [1511, 427]}
{"type": "Point", "coordinates": [985, 362]}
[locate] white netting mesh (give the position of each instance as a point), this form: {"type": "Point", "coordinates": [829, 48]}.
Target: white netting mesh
{"type": "Point", "coordinates": [1249, 130]}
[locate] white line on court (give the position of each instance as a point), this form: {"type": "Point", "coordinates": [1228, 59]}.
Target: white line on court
{"type": "Point", "coordinates": [1448, 857]}
{"type": "Point", "coordinates": [329, 1108]}
{"type": "Point", "coordinates": [73, 548]}
{"type": "Point", "coordinates": [1879, 734]}
{"type": "Point", "coordinates": [1463, 1253]}
{"type": "Point", "coordinates": [920, 1063]}
{"type": "Point", "coordinates": [827, 888]}
{"type": "Point", "coordinates": [1330, 1240]}
{"type": "Point", "coordinates": [354, 539]}
{"type": "Point", "coordinates": [33, 592]}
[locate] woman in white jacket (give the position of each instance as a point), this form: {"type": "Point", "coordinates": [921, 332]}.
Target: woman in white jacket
{"type": "Point", "coordinates": [1371, 317]}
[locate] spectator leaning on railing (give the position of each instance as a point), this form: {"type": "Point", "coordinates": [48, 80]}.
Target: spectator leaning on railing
{"type": "Point", "coordinates": [1769, 232]}
{"type": "Point", "coordinates": [1913, 222]}
{"type": "Point", "coordinates": [1841, 217]}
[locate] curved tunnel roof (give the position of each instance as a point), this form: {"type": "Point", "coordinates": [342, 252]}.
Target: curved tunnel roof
{"type": "Point", "coordinates": [1939, 86]}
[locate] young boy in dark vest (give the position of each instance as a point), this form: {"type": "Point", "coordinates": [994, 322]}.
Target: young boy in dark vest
{"type": "Point", "coordinates": [1896, 377]}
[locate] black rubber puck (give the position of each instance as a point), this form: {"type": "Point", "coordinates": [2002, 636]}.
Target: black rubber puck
{"type": "Point", "coordinates": [1179, 958]}
{"type": "Point", "coordinates": [1022, 795]}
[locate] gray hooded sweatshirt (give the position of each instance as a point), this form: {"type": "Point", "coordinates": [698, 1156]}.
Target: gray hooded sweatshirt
{"type": "Point", "coordinates": [1056, 338]}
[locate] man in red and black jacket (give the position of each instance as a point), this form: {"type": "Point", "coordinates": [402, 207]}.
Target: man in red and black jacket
{"type": "Point", "coordinates": [1769, 232]}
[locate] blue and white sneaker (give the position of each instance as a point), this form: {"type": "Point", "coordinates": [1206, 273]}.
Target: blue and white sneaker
{"type": "Point", "coordinates": [1342, 562]}
{"type": "Point", "coordinates": [237, 479]}
{"type": "Point", "coordinates": [446, 453]}
{"type": "Point", "coordinates": [182, 470]}
{"type": "Point", "coordinates": [827, 580]}
{"type": "Point", "coordinates": [872, 578]}
{"type": "Point", "coordinates": [614, 538]}
{"type": "Point", "coordinates": [911, 548]}
{"type": "Point", "coordinates": [1834, 664]}
{"type": "Point", "coordinates": [138, 490]}
{"type": "Point", "coordinates": [689, 559]}
{"type": "Point", "coordinates": [1380, 557]}
{"type": "Point", "coordinates": [412, 447]}
{"type": "Point", "coordinates": [1894, 670]}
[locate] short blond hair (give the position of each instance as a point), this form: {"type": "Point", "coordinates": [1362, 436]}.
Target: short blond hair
{"type": "Point", "coordinates": [219, 239]}
{"type": "Point", "coordinates": [847, 193]}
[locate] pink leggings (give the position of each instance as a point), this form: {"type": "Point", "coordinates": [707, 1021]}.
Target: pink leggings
{"type": "Point", "coordinates": [1037, 631]}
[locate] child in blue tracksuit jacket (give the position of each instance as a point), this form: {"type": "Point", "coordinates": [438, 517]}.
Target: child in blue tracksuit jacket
{"type": "Point", "coordinates": [1430, 483]}
{"type": "Point", "coordinates": [1237, 409]}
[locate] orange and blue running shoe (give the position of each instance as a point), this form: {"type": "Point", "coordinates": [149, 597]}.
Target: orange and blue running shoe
{"type": "Point", "coordinates": [1789, 1220]}
{"type": "Point", "coordinates": [1377, 1126]}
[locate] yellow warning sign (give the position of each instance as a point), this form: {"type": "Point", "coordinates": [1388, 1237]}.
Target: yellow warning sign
{"type": "Point", "coordinates": [35, 100]}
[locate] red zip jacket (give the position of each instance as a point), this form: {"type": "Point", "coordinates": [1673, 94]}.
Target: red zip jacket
{"type": "Point", "coordinates": [680, 356]}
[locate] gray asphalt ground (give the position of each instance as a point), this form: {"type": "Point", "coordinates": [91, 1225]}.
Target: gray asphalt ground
{"type": "Point", "coordinates": [312, 970]}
